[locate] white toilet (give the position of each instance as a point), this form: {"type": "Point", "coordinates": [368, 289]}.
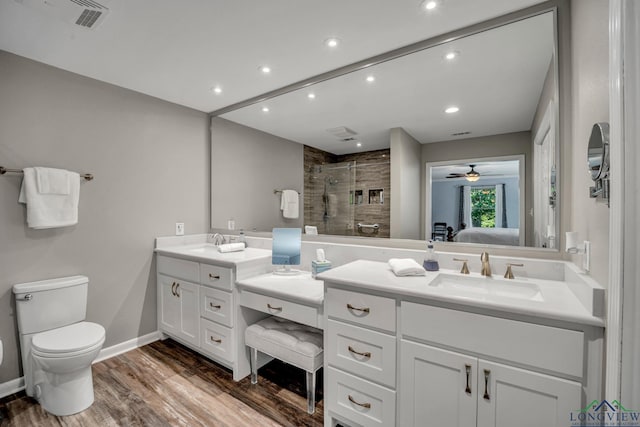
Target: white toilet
{"type": "Point", "coordinates": [57, 345]}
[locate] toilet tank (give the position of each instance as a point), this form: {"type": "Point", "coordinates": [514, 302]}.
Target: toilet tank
{"type": "Point", "coordinates": [52, 303]}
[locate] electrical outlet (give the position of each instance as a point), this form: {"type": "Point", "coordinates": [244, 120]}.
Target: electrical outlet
{"type": "Point", "coordinates": [586, 257]}
{"type": "Point", "coordinates": [231, 224]}
{"type": "Point", "coordinates": [179, 228]}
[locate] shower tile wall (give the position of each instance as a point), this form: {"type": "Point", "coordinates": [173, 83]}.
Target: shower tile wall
{"type": "Point", "coordinates": [373, 171]}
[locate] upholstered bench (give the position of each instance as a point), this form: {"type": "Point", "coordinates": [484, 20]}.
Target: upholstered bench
{"type": "Point", "coordinates": [296, 344]}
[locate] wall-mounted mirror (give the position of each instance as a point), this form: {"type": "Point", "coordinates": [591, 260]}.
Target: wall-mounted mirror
{"type": "Point", "coordinates": [364, 139]}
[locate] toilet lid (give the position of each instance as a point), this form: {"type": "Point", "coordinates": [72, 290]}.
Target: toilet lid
{"type": "Point", "coordinates": [68, 338]}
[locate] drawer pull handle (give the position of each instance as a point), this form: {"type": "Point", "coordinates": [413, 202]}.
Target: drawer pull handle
{"type": "Point", "coordinates": [486, 385]}
{"type": "Point", "coordinates": [364, 405]}
{"type": "Point", "coordinates": [468, 387]}
{"type": "Point", "coordinates": [216, 340]}
{"type": "Point", "coordinates": [273, 308]}
{"type": "Point", "coordinates": [363, 354]}
{"type": "Point", "coordinates": [214, 277]}
{"type": "Point", "coordinates": [212, 305]}
{"type": "Point", "coordinates": [363, 310]}
{"type": "Point", "coordinates": [173, 289]}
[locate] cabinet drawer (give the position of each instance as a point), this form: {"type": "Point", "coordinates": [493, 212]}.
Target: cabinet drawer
{"type": "Point", "coordinates": [368, 310]}
{"type": "Point", "coordinates": [217, 340]}
{"type": "Point", "coordinates": [216, 305]}
{"type": "Point", "coordinates": [179, 268]}
{"type": "Point", "coordinates": [359, 400]}
{"type": "Point", "coordinates": [300, 313]}
{"type": "Point", "coordinates": [366, 353]}
{"type": "Point", "coordinates": [218, 277]}
{"type": "Point", "coordinates": [545, 347]}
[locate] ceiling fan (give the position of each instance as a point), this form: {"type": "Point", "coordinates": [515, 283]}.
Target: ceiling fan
{"type": "Point", "coordinates": [471, 175]}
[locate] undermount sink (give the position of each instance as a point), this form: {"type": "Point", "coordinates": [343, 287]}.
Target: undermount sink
{"type": "Point", "coordinates": [205, 248]}
{"type": "Point", "coordinates": [485, 288]}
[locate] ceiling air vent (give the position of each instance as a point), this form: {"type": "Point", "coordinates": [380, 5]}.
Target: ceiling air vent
{"type": "Point", "coordinates": [461, 133]}
{"type": "Point", "coordinates": [83, 13]}
{"type": "Point", "coordinates": [342, 132]}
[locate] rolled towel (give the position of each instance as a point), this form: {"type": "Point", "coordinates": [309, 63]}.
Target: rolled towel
{"type": "Point", "coordinates": [406, 267]}
{"type": "Point", "coordinates": [231, 247]}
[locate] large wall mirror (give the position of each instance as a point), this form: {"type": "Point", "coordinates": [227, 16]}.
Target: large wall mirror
{"type": "Point", "coordinates": [406, 146]}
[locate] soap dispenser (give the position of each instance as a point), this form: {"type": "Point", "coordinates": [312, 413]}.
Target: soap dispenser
{"type": "Point", "coordinates": [430, 259]}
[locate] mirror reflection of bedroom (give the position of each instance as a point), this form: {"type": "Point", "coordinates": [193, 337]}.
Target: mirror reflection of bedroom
{"type": "Point", "coordinates": [478, 202]}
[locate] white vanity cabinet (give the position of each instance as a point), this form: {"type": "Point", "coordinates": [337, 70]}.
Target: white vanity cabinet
{"type": "Point", "coordinates": [455, 389]}
{"type": "Point", "coordinates": [393, 359]}
{"type": "Point", "coordinates": [197, 306]}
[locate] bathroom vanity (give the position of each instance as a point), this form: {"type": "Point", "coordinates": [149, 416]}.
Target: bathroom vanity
{"type": "Point", "coordinates": [459, 350]}
{"type": "Point", "coordinates": [197, 299]}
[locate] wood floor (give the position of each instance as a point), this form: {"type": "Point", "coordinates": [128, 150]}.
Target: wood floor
{"type": "Point", "coordinates": [166, 384]}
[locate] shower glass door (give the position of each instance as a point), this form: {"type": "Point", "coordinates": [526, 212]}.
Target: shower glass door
{"type": "Point", "coordinates": [329, 198]}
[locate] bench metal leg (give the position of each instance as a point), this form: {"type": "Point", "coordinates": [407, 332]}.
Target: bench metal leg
{"type": "Point", "coordinates": [254, 366]}
{"type": "Point", "coordinates": [311, 392]}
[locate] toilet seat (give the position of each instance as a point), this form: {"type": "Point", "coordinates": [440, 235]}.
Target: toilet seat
{"type": "Point", "coordinates": [71, 340]}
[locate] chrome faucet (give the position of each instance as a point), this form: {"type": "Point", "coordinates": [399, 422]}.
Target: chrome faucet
{"type": "Point", "coordinates": [486, 267]}
{"type": "Point", "coordinates": [218, 239]}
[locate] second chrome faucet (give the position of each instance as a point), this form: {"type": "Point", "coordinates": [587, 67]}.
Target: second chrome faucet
{"type": "Point", "coordinates": [486, 267]}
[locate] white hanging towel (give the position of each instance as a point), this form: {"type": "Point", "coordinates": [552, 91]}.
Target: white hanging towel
{"type": "Point", "coordinates": [289, 204]}
{"type": "Point", "coordinates": [51, 196]}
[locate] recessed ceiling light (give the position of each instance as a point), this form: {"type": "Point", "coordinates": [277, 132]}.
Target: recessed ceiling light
{"type": "Point", "coordinates": [452, 55]}
{"type": "Point", "coordinates": [371, 79]}
{"type": "Point", "coordinates": [332, 42]}
{"type": "Point", "coordinates": [429, 4]}
{"type": "Point", "coordinates": [452, 110]}
{"type": "Point", "coordinates": [359, 144]}
{"type": "Point", "coordinates": [265, 109]}
{"type": "Point", "coordinates": [311, 95]}
{"type": "Point", "coordinates": [217, 90]}
{"type": "Point", "coordinates": [265, 69]}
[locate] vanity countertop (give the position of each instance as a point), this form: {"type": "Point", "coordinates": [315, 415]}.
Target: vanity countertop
{"type": "Point", "coordinates": [209, 253]}
{"type": "Point", "coordinates": [557, 300]}
{"type": "Point", "coordinates": [300, 288]}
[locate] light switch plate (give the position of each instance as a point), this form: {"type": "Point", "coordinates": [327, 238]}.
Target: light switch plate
{"type": "Point", "coordinates": [179, 228]}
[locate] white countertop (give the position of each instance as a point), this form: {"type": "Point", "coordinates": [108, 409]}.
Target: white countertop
{"type": "Point", "coordinates": [300, 288]}
{"type": "Point", "coordinates": [558, 300]}
{"type": "Point", "coordinates": [209, 253]}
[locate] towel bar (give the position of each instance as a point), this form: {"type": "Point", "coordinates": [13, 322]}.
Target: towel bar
{"type": "Point", "coordinates": [3, 170]}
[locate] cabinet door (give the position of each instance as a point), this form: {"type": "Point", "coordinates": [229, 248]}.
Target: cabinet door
{"type": "Point", "coordinates": [517, 397]}
{"type": "Point", "coordinates": [168, 305]}
{"type": "Point", "coordinates": [437, 387]}
{"type": "Point", "coordinates": [188, 296]}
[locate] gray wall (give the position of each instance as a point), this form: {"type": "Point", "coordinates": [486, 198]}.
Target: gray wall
{"type": "Point", "coordinates": [445, 199]}
{"type": "Point", "coordinates": [150, 160]}
{"type": "Point", "coordinates": [590, 102]}
{"type": "Point", "coordinates": [405, 185]}
{"type": "Point", "coordinates": [507, 144]}
{"type": "Point", "coordinates": [246, 166]}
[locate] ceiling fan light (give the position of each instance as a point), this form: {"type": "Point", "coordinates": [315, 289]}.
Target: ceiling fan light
{"type": "Point", "coordinates": [472, 178]}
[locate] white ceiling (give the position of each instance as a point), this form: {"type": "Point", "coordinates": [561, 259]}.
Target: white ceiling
{"type": "Point", "coordinates": [178, 50]}
{"type": "Point", "coordinates": [496, 81]}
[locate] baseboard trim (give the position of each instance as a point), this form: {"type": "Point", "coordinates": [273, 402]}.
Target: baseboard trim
{"type": "Point", "coordinates": [11, 387]}
{"type": "Point", "coordinates": [123, 347]}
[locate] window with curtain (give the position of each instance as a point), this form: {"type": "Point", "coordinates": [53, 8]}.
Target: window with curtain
{"type": "Point", "coordinates": [483, 207]}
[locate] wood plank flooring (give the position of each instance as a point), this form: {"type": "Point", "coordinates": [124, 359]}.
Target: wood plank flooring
{"type": "Point", "coordinates": [167, 384]}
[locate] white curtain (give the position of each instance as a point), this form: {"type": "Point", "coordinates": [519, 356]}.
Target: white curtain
{"type": "Point", "coordinates": [499, 205]}
{"type": "Point", "coordinates": [466, 205]}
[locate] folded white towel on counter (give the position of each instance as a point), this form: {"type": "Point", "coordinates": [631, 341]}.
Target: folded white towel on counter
{"type": "Point", "coordinates": [231, 247]}
{"type": "Point", "coordinates": [406, 267]}
{"type": "Point", "coordinates": [289, 204]}
{"type": "Point", "coordinates": [51, 196]}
